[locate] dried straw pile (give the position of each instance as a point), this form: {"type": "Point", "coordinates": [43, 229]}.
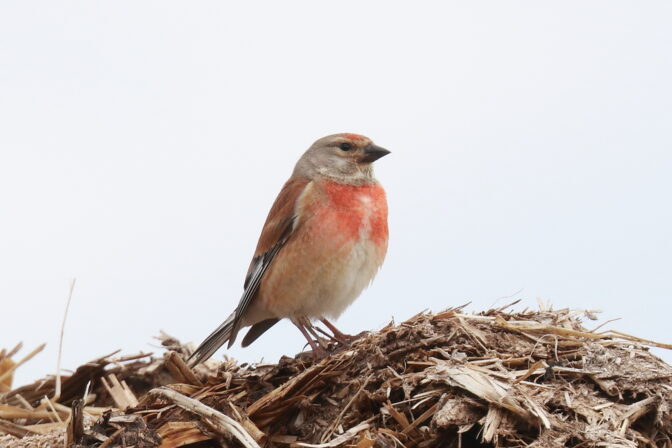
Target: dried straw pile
{"type": "Point", "coordinates": [496, 379]}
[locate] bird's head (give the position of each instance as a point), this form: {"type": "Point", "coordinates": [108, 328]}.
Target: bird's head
{"type": "Point", "coordinates": [344, 158]}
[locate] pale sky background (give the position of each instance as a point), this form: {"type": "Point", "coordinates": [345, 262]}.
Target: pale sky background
{"type": "Point", "coordinates": [142, 144]}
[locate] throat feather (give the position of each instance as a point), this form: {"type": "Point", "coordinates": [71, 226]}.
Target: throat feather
{"type": "Point", "coordinates": [359, 211]}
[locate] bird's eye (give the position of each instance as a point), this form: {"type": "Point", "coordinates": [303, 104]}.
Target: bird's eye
{"type": "Point", "coordinates": [345, 146]}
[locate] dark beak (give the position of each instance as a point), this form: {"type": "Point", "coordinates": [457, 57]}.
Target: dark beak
{"type": "Point", "coordinates": [373, 153]}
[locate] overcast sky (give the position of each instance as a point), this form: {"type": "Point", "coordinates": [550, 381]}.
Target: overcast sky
{"type": "Point", "coordinates": [142, 144]}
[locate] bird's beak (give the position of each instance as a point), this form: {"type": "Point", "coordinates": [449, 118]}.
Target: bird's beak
{"type": "Point", "coordinates": [373, 153]}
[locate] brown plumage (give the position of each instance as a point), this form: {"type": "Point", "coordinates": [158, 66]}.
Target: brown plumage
{"type": "Point", "coordinates": [323, 241]}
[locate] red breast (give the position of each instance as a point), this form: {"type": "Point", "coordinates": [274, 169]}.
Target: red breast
{"type": "Point", "coordinates": [356, 210]}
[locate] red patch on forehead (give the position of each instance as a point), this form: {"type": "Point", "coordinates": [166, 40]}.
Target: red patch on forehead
{"type": "Point", "coordinates": [355, 137]}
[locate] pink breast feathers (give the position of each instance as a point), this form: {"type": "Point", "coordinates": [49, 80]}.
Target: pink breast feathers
{"type": "Point", "coordinates": [361, 210]}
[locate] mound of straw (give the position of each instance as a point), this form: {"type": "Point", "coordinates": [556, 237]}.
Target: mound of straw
{"type": "Point", "coordinates": [494, 379]}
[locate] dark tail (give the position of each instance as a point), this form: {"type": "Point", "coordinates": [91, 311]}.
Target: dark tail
{"type": "Point", "coordinates": [257, 330]}
{"type": "Point", "coordinates": [211, 344]}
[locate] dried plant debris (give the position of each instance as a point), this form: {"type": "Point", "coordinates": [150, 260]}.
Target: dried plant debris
{"type": "Point", "coordinates": [494, 379]}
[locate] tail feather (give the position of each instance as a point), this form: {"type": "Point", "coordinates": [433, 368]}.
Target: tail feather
{"type": "Point", "coordinates": [212, 343]}
{"type": "Point", "coordinates": [257, 330]}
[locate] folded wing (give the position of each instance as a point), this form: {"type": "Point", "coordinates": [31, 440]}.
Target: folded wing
{"type": "Point", "coordinates": [278, 229]}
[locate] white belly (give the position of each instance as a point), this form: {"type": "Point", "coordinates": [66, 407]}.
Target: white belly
{"type": "Point", "coordinates": [350, 276]}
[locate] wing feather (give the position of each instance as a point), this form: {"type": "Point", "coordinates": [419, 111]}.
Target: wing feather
{"type": "Point", "coordinates": [278, 228]}
{"type": "Point", "coordinates": [253, 282]}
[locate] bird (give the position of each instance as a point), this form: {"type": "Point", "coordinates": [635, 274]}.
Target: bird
{"type": "Point", "coordinates": [323, 241]}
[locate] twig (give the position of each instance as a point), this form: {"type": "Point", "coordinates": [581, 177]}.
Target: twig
{"type": "Point", "coordinates": [27, 358]}
{"type": "Point", "coordinates": [425, 415]}
{"type": "Point", "coordinates": [604, 323]}
{"type": "Point", "coordinates": [14, 429]}
{"type": "Point", "coordinates": [87, 389]}
{"type": "Point", "coordinates": [332, 427]}
{"type": "Point", "coordinates": [120, 392]}
{"type": "Point", "coordinates": [51, 406]}
{"type": "Point", "coordinates": [57, 391]}
{"type": "Point", "coordinates": [23, 401]}
{"type": "Point", "coordinates": [627, 337]}
{"type": "Point", "coordinates": [179, 369]}
{"type": "Point", "coordinates": [75, 429]}
{"type": "Point", "coordinates": [220, 422]}
{"type": "Point", "coordinates": [539, 341]}
{"type": "Point", "coordinates": [15, 350]}
{"type": "Point", "coordinates": [347, 435]}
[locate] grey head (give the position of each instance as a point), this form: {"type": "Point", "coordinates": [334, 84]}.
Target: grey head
{"type": "Point", "coordinates": [343, 158]}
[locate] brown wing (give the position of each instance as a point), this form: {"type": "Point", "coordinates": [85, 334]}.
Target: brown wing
{"type": "Point", "coordinates": [277, 230]}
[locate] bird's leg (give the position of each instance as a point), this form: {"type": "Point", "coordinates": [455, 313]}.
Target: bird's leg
{"type": "Point", "coordinates": [317, 350]}
{"type": "Point", "coordinates": [313, 330]}
{"type": "Point", "coordinates": [338, 335]}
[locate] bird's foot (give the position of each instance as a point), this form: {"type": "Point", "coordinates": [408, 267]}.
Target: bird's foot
{"type": "Point", "coordinates": [337, 335]}
{"type": "Point", "coordinates": [319, 353]}
{"type": "Point", "coordinates": [318, 345]}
